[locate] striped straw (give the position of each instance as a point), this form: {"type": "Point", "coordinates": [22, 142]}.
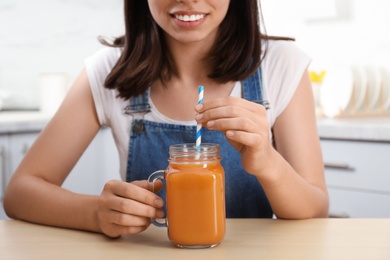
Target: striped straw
{"type": "Point", "coordinates": [199, 126]}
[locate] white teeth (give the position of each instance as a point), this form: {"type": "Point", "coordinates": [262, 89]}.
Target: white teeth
{"type": "Point", "coordinates": [189, 18]}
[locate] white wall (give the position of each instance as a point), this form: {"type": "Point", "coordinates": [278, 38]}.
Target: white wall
{"type": "Point", "coordinates": [359, 34]}
{"type": "Point", "coordinates": [57, 35]}
{"type": "Point", "coordinates": [50, 36]}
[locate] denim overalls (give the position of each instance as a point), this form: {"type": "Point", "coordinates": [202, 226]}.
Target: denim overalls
{"type": "Point", "coordinates": [149, 151]}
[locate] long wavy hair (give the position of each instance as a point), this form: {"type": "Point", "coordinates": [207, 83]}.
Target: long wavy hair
{"type": "Point", "coordinates": [235, 55]}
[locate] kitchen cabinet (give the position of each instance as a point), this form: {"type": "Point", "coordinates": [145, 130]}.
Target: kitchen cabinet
{"type": "Point", "coordinates": [98, 164]}
{"type": "Point", "coordinates": [18, 145]}
{"type": "Point", "coordinates": [13, 148]}
{"type": "Point", "coordinates": [358, 177]}
{"type": "Point", "coordinates": [3, 171]}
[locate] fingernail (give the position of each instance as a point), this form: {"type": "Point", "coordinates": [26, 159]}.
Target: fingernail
{"type": "Point", "coordinates": [159, 203]}
{"type": "Point", "coordinates": [198, 107]}
{"type": "Point", "coordinates": [229, 133]}
{"type": "Point", "coordinates": [199, 116]}
{"type": "Point", "coordinates": [210, 123]}
{"type": "Point", "coordinates": [160, 214]}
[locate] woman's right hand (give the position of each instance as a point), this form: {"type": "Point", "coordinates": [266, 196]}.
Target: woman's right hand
{"type": "Point", "coordinates": [126, 208]}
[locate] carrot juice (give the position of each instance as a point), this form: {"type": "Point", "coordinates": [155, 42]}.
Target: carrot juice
{"type": "Point", "coordinates": [195, 204]}
{"type": "Point", "coordinates": [195, 196]}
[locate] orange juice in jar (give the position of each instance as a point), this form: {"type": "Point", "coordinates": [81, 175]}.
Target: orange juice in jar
{"type": "Point", "coordinates": [195, 196]}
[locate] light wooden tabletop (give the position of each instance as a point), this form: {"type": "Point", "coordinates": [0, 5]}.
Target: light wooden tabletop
{"type": "Point", "coordinates": [245, 239]}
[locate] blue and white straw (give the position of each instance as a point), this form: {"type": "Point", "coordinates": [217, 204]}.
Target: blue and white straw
{"type": "Point", "coordinates": [199, 126]}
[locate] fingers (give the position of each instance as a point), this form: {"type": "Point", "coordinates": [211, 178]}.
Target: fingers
{"type": "Point", "coordinates": [244, 123]}
{"type": "Point", "coordinates": [133, 207]}
{"type": "Point", "coordinates": [114, 224]}
{"type": "Point", "coordinates": [126, 208]}
{"type": "Point", "coordinates": [140, 191]}
{"type": "Point", "coordinates": [126, 220]}
{"type": "Point", "coordinates": [228, 107]}
{"type": "Point", "coordinates": [235, 123]}
{"type": "Point", "coordinates": [227, 102]}
{"type": "Point", "coordinates": [232, 113]}
{"type": "Point", "coordinates": [245, 138]}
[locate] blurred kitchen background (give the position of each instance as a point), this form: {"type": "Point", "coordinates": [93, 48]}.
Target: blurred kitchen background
{"type": "Point", "coordinates": [49, 36]}
{"type": "Point", "coordinates": [55, 36]}
{"type": "Point", "coordinates": [43, 45]}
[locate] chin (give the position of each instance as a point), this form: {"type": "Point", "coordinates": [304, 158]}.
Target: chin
{"type": "Point", "coordinates": [191, 38]}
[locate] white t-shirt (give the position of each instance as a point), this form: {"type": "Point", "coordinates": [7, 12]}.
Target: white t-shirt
{"type": "Point", "coordinates": [282, 69]}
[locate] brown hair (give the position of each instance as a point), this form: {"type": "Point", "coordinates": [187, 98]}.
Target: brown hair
{"type": "Point", "coordinates": [145, 58]}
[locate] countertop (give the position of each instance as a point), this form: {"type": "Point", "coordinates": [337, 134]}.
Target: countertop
{"type": "Point", "coordinates": [245, 239]}
{"type": "Point", "coordinates": [366, 129]}
{"type": "Point", "coordinates": [360, 129]}
{"type": "Point", "coordinates": [22, 121]}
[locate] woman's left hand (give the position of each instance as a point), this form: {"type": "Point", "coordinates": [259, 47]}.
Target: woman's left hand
{"type": "Point", "coordinates": [245, 125]}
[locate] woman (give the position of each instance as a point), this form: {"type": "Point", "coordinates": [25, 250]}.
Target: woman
{"type": "Point", "coordinates": [272, 158]}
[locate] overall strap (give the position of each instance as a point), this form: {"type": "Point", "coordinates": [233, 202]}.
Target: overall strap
{"type": "Point", "coordinates": [252, 89]}
{"type": "Point", "coordinates": [138, 104]}
{"type": "Point", "coordinates": [138, 107]}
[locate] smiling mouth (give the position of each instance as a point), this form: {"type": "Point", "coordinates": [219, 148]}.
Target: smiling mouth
{"type": "Point", "coordinates": [189, 18]}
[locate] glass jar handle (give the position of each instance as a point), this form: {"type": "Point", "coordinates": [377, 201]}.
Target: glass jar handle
{"type": "Point", "coordinates": [158, 175]}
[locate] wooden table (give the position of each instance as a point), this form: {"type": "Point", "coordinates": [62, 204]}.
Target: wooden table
{"type": "Point", "coordinates": [315, 239]}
